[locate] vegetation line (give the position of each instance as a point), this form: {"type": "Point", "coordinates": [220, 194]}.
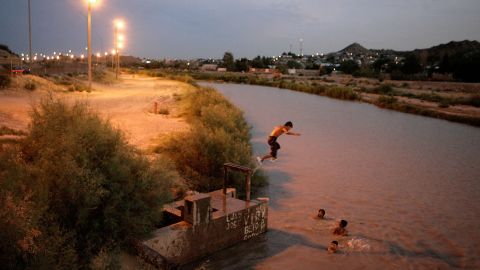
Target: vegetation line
{"type": "Point", "coordinates": [385, 100]}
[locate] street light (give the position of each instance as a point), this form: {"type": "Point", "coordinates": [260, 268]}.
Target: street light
{"type": "Point", "coordinates": [29, 35]}
{"type": "Point", "coordinates": [113, 55]}
{"type": "Point", "coordinates": [89, 41]}
{"type": "Point", "coordinates": [118, 42]}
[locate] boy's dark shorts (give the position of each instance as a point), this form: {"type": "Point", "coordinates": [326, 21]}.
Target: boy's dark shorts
{"type": "Point", "coordinates": [274, 146]}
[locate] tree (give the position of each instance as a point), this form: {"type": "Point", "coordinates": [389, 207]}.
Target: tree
{"type": "Point", "coordinates": [228, 61]}
{"type": "Point", "coordinates": [381, 64]}
{"type": "Point", "coordinates": [466, 67]}
{"type": "Point", "coordinates": [411, 64]}
{"type": "Point", "coordinates": [349, 66]}
{"type": "Point", "coordinates": [257, 62]}
{"type": "Point", "coordinates": [241, 65]}
{"type": "Point", "coordinates": [294, 64]}
{"type": "Point", "coordinates": [445, 66]}
{"type": "Point", "coordinates": [325, 70]}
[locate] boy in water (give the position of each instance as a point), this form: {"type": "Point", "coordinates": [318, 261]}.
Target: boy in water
{"type": "Point", "coordinates": [321, 213]}
{"type": "Point", "coordinates": [332, 248]}
{"type": "Point", "coordinates": [341, 228]}
{"type": "Point", "coordinates": [272, 140]}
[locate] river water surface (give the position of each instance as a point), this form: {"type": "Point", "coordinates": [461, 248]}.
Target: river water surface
{"type": "Point", "coordinates": [409, 186]}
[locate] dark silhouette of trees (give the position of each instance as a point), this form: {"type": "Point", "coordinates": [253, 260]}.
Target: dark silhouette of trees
{"type": "Point", "coordinates": [349, 66]}
{"type": "Point", "coordinates": [228, 61]}
{"type": "Point", "coordinates": [466, 67]}
{"type": "Point", "coordinates": [241, 65]}
{"type": "Point", "coordinates": [411, 65]}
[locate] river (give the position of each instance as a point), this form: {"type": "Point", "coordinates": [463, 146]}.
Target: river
{"type": "Point", "coordinates": [409, 186]}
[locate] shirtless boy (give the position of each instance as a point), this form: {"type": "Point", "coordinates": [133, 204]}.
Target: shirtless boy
{"type": "Point", "coordinates": [272, 140]}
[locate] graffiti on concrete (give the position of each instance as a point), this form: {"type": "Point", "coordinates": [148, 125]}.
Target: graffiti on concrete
{"type": "Point", "coordinates": [252, 220]}
{"type": "Point", "coordinates": [255, 221]}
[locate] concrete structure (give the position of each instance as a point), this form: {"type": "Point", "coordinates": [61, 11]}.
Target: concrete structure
{"type": "Point", "coordinates": [201, 224]}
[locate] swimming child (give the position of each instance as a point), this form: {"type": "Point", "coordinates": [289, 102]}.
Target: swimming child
{"type": "Point", "coordinates": [340, 229]}
{"type": "Point", "coordinates": [332, 248]}
{"type": "Point", "coordinates": [321, 213]}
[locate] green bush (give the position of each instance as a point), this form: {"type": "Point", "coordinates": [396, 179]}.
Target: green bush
{"type": "Point", "coordinates": [104, 77]}
{"type": "Point", "coordinates": [80, 188]}
{"type": "Point", "coordinates": [386, 101]}
{"type": "Point", "coordinates": [78, 86]}
{"type": "Point", "coordinates": [30, 85]}
{"type": "Point", "coordinates": [341, 93]}
{"type": "Point", "coordinates": [5, 81]}
{"type": "Point", "coordinates": [384, 89]}
{"type": "Point", "coordinates": [219, 135]}
{"type": "Point", "coordinates": [444, 104]}
{"type": "Point", "coordinates": [473, 100]}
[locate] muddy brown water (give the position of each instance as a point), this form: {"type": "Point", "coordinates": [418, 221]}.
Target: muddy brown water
{"type": "Point", "coordinates": [409, 186]}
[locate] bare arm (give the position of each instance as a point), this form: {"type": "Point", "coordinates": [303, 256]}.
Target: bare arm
{"type": "Point", "coordinates": [292, 133]}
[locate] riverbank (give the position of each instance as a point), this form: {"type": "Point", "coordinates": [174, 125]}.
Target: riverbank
{"type": "Point", "coordinates": [457, 102]}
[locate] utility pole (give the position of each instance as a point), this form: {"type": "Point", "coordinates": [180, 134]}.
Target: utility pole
{"type": "Point", "coordinates": [30, 36]}
{"type": "Point", "coordinates": [301, 47]}
{"type": "Point", "coordinates": [115, 34]}
{"type": "Point", "coordinates": [89, 43]}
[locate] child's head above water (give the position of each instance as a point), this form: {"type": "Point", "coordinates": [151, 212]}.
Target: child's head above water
{"type": "Point", "coordinates": [332, 248]}
{"type": "Point", "coordinates": [321, 213]}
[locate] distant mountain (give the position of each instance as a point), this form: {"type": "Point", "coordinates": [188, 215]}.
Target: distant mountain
{"type": "Point", "coordinates": [427, 56]}
{"type": "Point", "coordinates": [451, 48]}
{"type": "Point", "coordinates": [355, 49]}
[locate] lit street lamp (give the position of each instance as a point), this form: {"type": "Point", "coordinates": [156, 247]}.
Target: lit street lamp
{"type": "Point", "coordinates": [113, 55]}
{"type": "Point", "coordinates": [89, 41]}
{"type": "Point", "coordinates": [118, 42]}
{"type": "Point", "coordinates": [29, 35]}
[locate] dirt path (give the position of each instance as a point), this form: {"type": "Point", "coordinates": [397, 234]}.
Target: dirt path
{"type": "Point", "coordinates": [128, 105]}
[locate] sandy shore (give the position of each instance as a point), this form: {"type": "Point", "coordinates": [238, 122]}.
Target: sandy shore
{"type": "Point", "coordinates": [128, 105]}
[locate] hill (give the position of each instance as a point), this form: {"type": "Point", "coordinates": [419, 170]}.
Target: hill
{"type": "Point", "coordinates": [451, 49]}
{"type": "Point", "coordinates": [355, 49]}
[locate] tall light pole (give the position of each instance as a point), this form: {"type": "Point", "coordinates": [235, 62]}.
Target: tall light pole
{"type": "Point", "coordinates": [30, 36]}
{"type": "Point", "coordinates": [118, 43]}
{"type": "Point", "coordinates": [89, 42]}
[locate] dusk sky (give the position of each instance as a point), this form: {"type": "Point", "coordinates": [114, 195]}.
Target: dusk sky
{"type": "Point", "coordinates": [208, 28]}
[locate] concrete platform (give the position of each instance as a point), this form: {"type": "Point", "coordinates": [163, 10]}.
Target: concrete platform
{"type": "Point", "coordinates": [201, 224]}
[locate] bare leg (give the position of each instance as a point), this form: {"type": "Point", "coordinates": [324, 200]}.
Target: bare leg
{"type": "Point", "coordinates": [266, 157]}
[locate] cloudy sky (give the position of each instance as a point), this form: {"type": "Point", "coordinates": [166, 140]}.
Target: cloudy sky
{"type": "Point", "coordinates": [208, 28]}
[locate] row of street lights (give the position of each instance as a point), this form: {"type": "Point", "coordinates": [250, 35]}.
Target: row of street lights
{"type": "Point", "coordinates": [58, 56]}
{"type": "Point", "coordinates": [119, 38]}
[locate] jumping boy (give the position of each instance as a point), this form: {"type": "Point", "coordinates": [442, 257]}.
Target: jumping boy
{"type": "Point", "coordinates": [272, 140]}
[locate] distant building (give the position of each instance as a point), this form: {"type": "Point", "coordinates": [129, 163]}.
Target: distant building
{"type": "Point", "coordinates": [222, 69]}
{"type": "Point", "coordinates": [209, 67]}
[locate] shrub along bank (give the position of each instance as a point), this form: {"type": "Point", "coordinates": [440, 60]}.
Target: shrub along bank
{"type": "Point", "coordinates": [218, 134]}
{"type": "Point", "coordinates": [73, 191]}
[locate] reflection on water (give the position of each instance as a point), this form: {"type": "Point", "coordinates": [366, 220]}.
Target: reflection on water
{"type": "Point", "coordinates": [409, 186]}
